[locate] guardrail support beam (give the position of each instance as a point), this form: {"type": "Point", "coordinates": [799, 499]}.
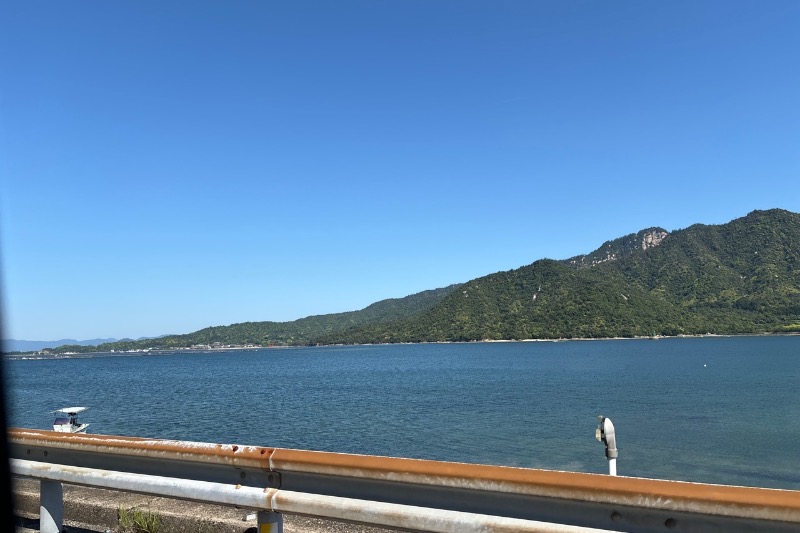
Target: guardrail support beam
{"type": "Point", "coordinates": [51, 506]}
{"type": "Point", "coordinates": [270, 522]}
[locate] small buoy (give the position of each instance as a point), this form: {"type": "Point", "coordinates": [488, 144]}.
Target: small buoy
{"type": "Point", "coordinates": [704, 365]}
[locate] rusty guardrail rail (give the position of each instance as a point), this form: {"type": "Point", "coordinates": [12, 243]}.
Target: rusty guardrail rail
{"type": "Point", "coordinates": [481, 495]}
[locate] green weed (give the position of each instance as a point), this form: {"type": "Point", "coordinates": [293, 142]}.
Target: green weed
{"type": "Point", "coordinates": [138, 521]}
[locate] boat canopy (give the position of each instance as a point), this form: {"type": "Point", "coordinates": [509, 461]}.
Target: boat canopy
{"type": "Point", "coordinates": [71, 410]}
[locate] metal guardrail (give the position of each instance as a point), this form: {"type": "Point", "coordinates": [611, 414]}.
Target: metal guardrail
{"type": "Point", "coordinates": [402, 493]}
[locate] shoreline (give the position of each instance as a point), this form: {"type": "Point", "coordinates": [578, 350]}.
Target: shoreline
{"type": "Point", "coordinates": [28, 356]}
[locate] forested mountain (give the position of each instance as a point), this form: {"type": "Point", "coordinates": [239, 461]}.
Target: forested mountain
{"type": "Point", "coordinates": [295, 333]}
{"type": "Point", "coordinates": [739, 277]}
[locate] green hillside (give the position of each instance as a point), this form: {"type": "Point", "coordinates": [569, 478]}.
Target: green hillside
{"type": "Point", "coordinates": [295, 333]}
{"type": "Point", "coordinates": [739, 277]}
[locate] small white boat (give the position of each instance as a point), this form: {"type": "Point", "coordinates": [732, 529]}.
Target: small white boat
{"type": "Point", "coordinates": [67, 420]}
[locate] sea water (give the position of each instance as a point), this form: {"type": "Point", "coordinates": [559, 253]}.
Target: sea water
{"type": "Point", "coordinates": [714, 410]}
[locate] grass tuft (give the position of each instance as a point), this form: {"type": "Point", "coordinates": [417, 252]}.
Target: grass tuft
{"type": "Point", "coordinates": [138, 521]}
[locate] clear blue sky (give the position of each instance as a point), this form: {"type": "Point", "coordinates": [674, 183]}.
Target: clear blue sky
{"type": "Point", "coordinates": [168, 166]}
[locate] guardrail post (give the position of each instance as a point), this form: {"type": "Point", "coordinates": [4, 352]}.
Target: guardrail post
{"type": "Point", "coordinates": [51, 506]}
{"type": "Point", "coordinates": [270, 522]}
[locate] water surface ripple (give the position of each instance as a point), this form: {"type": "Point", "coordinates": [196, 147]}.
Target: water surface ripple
{"type": "Point", "coordinates": [715, 410]}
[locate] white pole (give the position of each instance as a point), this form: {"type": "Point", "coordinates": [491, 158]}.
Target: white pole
{"type": "Point", "coordinates": [51, 506]}
{"type": "Point", "coordinates": [605, 433]}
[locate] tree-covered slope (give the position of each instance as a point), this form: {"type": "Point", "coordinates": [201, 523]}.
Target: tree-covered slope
{"type": "Point", "coordinates": [544, 300]}
{"type": "Point", "coordinates": [740, 277]}
{"type": "Point", "coordinates": [295, 333]}
{"type": "Point", "coordinates": [743, 276]}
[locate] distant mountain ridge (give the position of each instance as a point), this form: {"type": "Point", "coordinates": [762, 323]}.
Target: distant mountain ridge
{"type": "Point", "coordinates": [735, 278]}
{"type": "Point", "coordinates": [14, 345]}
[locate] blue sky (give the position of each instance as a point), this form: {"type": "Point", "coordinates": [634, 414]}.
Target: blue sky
{"type": "Point", "coordinates": [168, 166]}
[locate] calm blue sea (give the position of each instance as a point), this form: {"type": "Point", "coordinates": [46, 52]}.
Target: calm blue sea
{"type": "Point", "coordinates": [715, 410]}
